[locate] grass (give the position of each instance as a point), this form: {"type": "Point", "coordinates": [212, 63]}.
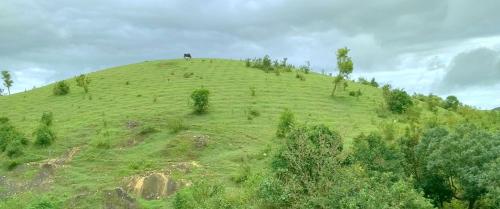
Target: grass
{"type": "Point", "coordinates": [111, 151]}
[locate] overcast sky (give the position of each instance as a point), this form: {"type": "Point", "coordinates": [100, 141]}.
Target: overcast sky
{"type": "Point", "coordinates": [444, 47]}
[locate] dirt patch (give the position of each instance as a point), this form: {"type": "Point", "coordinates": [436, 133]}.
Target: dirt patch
{"type": "Point", "coordinates": [131, 124]}
{"type": "Point", "coordinates": [118, 199]}
{"type": "Point", "coordinates": [156, 185]}
{"type": "Point", "coordinates": [42, 179]}
{"type": "Point", "coordinates": [200, 141]}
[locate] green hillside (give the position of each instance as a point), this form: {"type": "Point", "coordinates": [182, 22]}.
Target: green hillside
{"type": "Point", "coordinates": [124, 128]}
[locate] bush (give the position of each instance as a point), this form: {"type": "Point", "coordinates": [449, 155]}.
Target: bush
{"type": "Point", "coordinates": [61, 88]}
{"type": "Point", "coordinates": [286, 122]}
{"type": "Point", "coordinates": [252, 91]}
{"type": "Point", "coordinates": [44, 136]}
{"type": "Point", "coordinates": [398, 101]}
{"type": "Point", "coordinates": [147, 130]}
{"type": "Point", "coordinates": [300, 77]}
{"type": "Point", "coordinates": [252, 113]}
{"type": "Point", "coordinates": [176, 124]}
{"type": "Point", "coordinates": [188, 75]}
{"type": "Point", "coordinates": [11, 140]}
{"type": "Point", "coordinates": [47, 118]}
{"type": "Point", "coordinates": [200, 100]}
{"type": "Point", "coordinates": [83, 81]}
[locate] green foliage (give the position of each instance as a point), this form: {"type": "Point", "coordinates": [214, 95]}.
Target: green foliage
{"type": "Point", "coordinates": [303, 166]}
{"type": "Point", "coordinates": [44, 136]}
{"type": "Point", "coordinates": [252, 91]}
{"type": "Point", "coordinates": [300, 76]}
{"type": "Point", "coordinates": [374, 83]}
{"type": "Point", "coordinates": [44, 203]}
{"type": "Point", "coordinates": [464, 157]}
{"type": "Point", "coordinates": [451, 103]}
{"type": "Point", "coordinates": [252, 113]}
{"type": "Point", "coordinates": [375, 155]}
{"type": "Point", "coordinates": [7, 80]}
{"type": "Point", "coordinates": [146, 130]}
{"type": "Point", "coordinates": [398, 101]}
{"type": "Point", "coordinates": [202, 195]}
{"type": "Point", "coordinates": [344, 65]}
{"type": "Point", "coordinates": [356, 94]}
{"type": "Point", "coordinates": [61, 88]}
{"type": "Point", "coordinates": [268, 65]}
{"type": "Point", "coordinates": [47, 118]}
{"type": "Point", "coordinates": [11, 141]}
{"type": "Point", "coordinates": [188, 75]}
{"type": "Point", "coordinates": [175, 125]}
{"type": "Point", "coordinates": [286, 122]}
{"type": "Point", "coordinates": [83, 81]}
{"type": "Point", "coordinates": [433, 102]}
{"type": "Point", "coordinates": [200, 100]}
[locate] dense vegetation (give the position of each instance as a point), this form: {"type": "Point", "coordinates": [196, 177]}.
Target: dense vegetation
{"type": "Point", "coordinates": [270, 136]}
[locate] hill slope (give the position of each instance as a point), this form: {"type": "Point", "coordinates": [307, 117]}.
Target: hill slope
{"type": "Point", "coordinates": [123, 127]}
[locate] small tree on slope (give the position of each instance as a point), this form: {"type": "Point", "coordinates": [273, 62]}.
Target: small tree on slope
{"type": "Point", "coordinates": [345, 66]}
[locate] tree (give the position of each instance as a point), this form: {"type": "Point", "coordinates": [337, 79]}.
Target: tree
{"type": "Point", "coordinates": [7, 80]}
{"type": "Point", "coordinates": [458, 164]}
{"type": "Point", "coordinates": [451, 103]}
{"type": "Point", "coordinates": [83, 81]}
{"type": "Point", "coordinates": [344, 65]}
{"type": "Point", "coordinates": [200, 100]}
{"type": "Point", "coordinates": [375, 155]}
{"type": "Point", "coordinates": [398, 100]}
{"type": "Point", "coordinates": [374, 83]}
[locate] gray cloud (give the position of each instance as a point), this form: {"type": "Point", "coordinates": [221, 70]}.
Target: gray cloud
{"type": "Point", "coordinates": [479, 67]}
{"type": "Point", "coordinates": [69, 37]}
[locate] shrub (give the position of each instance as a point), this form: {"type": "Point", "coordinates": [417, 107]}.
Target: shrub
{"type": "Point", "coordinates": [398, 101]}
{"type": "Point", "coordinates": [47, 118]}
{"type": "Point", "coordinates": [188, 75]}
{"type": "Point", "coordinates": [176, 124]}
{"type": "Point", "coordinates": [12, 164]}
{"type": "Point", "coordinates": [44, 136]}
{"type": "Point", "coordinates": [252, 113]}
{"type": "Point", "coordinates": [147, 130]}
{"type": "Point", "coordinates": [286, 122]}
{"type": "Point", "coordinates": [300, 77]}
{"type": "Point", "coordinates": [252, 91]}
{"type": "Point", "coordinates": [374, 83]}
{"type": "Point", "coordinates": [83, 81]}
{"type": "Point", "coordinates": [61, 88]}
{"type": "Point", "coordinates": [11, 140]}
{"type": "Point", "coordinates": [200, 100]}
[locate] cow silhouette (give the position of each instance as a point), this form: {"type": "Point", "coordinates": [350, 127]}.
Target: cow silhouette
{"type": "Point", "coordinates": [187, 56]}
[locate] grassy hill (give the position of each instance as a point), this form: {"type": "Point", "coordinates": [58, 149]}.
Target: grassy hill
{"type": "Point", "coordinates": [124, 127]}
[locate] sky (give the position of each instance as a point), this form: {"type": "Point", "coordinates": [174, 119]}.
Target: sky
{"type": "Point", "coordinates": [445, 47]}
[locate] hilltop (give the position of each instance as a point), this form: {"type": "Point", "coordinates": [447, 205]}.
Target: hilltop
{"type": "Point", "coordinates": [136, 128]}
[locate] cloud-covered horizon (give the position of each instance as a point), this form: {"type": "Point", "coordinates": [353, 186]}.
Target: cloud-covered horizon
{"type": "Point", "coordinates": [446, 47]}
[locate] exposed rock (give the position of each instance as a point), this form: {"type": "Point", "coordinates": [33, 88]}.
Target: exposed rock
{"type": "Point", "coordinates": [118, 199]}
{"type": "Point", "coordinates": [156, 185]}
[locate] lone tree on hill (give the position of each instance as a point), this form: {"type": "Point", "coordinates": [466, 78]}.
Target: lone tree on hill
{"type": "Point", "coordinates": [7, 80]}
{"type": "Point", "coordinates": [451, 103]}
{"type": "Point", "coordinates": [345, 66]}
{"type": "Point", "coordinates": [83, 81]}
